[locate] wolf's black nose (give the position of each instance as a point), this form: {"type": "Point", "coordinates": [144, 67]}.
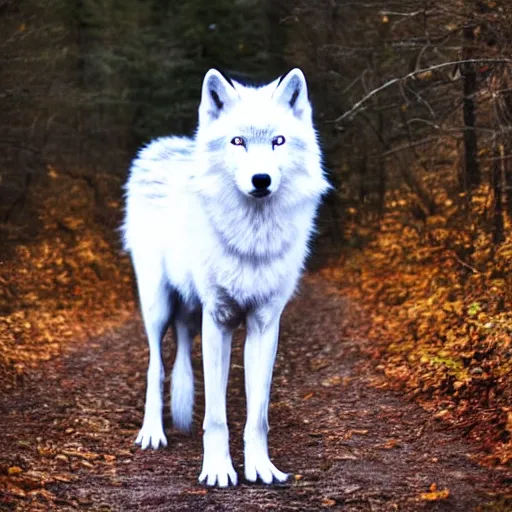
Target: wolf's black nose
{"type": "Point", "coordinates": [261, 181]}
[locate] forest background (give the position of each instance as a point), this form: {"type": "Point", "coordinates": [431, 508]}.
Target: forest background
{"type": "Point", "coordinates": [413, 104]}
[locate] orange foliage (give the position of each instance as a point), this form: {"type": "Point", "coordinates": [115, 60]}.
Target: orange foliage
{"type": "Point", "coordinates": [439, 296]}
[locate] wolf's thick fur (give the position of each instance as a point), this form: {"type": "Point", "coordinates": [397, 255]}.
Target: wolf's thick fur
{"type": "Point", "coordinates": [218, 229]}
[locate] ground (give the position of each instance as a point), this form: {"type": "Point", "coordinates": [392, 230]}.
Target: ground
{"type": "Point", "coordinates": [351, 444]}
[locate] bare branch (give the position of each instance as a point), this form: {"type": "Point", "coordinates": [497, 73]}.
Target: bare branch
{"type": "Point", "coordinates": [394, 13]}
{"type": "Point", "coordinates": [410, 145]}
{"type": "Point", "coordinates": [412, 75]}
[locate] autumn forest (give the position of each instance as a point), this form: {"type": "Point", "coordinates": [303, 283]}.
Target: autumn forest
{"type": "Point", "coordinates": [397, 349]}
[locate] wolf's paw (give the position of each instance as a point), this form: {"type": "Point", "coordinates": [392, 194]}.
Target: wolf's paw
{"type": "Point", "coordinates": [261, 466]}
{"type": "Point", "coordinates": [151, 434]}
{"type": "Point", "coordinates": [218, 472]}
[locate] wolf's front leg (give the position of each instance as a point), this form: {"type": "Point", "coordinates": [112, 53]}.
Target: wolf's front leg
{"type": "Point", "coordinates": [216, 342]}
{"type": "Point", "coordinates": [259, 356]}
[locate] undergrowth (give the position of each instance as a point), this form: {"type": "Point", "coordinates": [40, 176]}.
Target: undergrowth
{"type": "Point", "coordinates": [438, 292]}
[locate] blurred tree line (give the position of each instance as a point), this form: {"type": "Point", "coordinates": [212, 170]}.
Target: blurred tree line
{"type": "Point", "coordinates": [86, 82]}
{"type": "Point", "coordinates": [402, 89]}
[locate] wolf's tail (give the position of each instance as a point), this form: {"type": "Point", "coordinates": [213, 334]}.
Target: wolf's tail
{"type": "Point", "coordinates": [182, 387]}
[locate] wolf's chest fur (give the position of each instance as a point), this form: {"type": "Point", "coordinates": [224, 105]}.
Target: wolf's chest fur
{"type": "Point", "coordinates": [233, 271]}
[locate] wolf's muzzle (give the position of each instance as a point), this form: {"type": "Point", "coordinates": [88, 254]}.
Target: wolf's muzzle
{"type": "Point", "coordinates": [261, 183]}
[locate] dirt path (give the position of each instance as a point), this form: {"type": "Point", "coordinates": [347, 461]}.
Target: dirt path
{"type": "Point", "coordinates": [68, 431]}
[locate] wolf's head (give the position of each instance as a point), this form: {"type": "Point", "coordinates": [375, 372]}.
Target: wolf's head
{"type": "Point", "coordinates": [259, 143]}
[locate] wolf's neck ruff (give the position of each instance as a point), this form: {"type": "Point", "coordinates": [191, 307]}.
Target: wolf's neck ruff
{"type": "Point", "coordinates": [255, 229]}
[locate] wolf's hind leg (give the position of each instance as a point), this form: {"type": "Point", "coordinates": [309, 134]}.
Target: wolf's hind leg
{"type": "Point", "coordinates": [155, 300]}
{"type": "Point", "coordinates": [182, 384]}
{"type": "Point", "coordinates": [259, 355]}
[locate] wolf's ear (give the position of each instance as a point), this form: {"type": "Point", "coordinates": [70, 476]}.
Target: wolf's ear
{"type": "Point", "coordinates": [292, 92]}
{"type": "Point", "coordinates": [218, 95]}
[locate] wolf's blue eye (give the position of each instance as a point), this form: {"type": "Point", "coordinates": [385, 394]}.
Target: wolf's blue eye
{"type": "Point", "coordinates": [278, 141]}
{"type": "Point", "coordinates": [238, 141]}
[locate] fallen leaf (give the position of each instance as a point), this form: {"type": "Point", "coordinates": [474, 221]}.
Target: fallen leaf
{"type": "Point", "coordinates": [47, 495]}
{"type": "Point", "coordinates": [435, 495]}
{"type": "Point", "coordinates": [14, 489]}
{"type": "Point", "coordinates": [391, 443]}
{"type": "Point", "coordinates": [65, 477]}
{"type": "Point", "coordinates": [331, 381]}
{"type": "Point", "coordinates": [328, 502]}
{"type": "Point", "coordinates": [318, 364]}
{"type": "Point", "coordinates": [197, 492]}
{"type": "Point", "coordinates": [82, 455]}
{"type": "Point", "coordinates": [359, 432]}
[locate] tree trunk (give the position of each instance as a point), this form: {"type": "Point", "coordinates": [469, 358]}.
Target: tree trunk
{"type": "Point", "coordinates": [507, 166]}
{"type": "Point", "coordinates": [497, 181]}
{"type": "Point", "coordinates": [471, 175]}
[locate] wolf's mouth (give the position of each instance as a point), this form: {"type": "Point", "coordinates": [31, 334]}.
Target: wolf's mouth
{"type": "Point", "coordinates": [260, 193]}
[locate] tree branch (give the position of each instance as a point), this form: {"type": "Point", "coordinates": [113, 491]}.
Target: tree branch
{"type": "Point", "coordinates": [412, 75]}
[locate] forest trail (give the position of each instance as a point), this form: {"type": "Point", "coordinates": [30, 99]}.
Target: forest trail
{"type": "Point", "coordinates": [68, 430]}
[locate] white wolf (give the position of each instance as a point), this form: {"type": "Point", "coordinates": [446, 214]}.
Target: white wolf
{"type": "Point", "coordinates": [218, 229]}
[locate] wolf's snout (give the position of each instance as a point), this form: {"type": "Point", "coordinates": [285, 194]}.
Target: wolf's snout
{"type": "Point", "coordinates": [261, 181]}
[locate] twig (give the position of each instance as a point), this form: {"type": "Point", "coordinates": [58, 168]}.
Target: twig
{"type": "Point", "coordinates": [426, 140]}
{"type": "Point", "coordinates": [464, 264]}
{"type": "Point", "coordinates": [394, 13]}
{"type": "Point", "coordinates": [412, 75]}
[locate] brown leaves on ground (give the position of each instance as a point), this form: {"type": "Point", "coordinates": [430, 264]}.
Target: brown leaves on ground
{"type": "Point", "coordinates": [63, 276]}
{"type": "Point", "coordinates": [70, 423]}
{"type": "Point", "coordinates": [439, 297]}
